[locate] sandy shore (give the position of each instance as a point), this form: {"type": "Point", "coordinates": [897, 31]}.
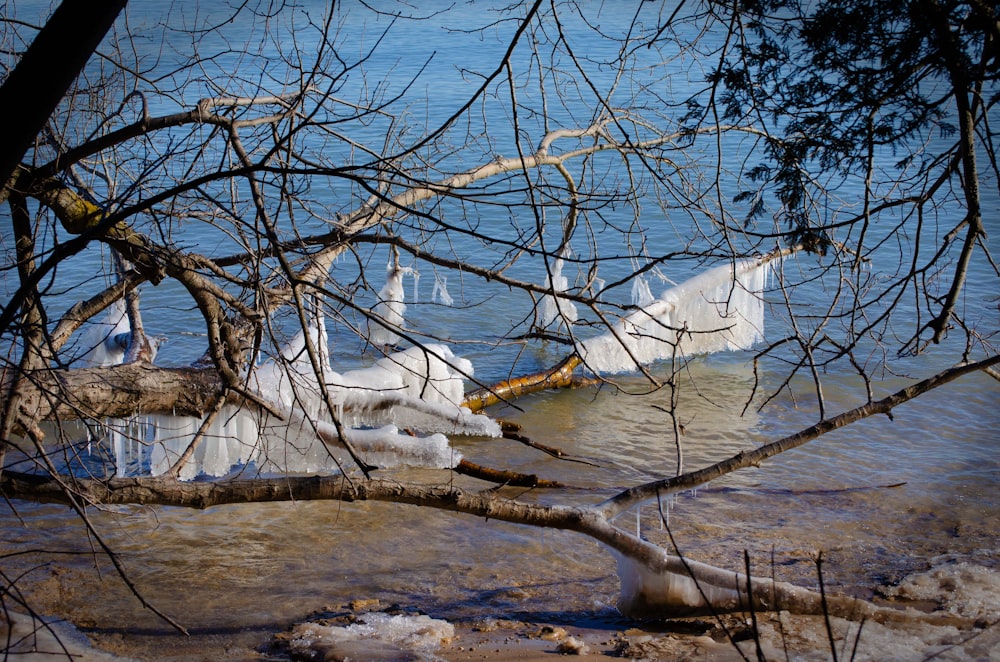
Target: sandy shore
{"type": "Point", "coordinates": [961, 597]}
{"type": "Point", "coordinates": [771, 636]}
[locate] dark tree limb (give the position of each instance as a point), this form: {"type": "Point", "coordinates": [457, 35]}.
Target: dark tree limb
{"type": "Point", "coordinates": [45, 72]}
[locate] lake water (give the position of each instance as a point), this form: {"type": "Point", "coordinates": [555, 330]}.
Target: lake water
{"type": "Point", "coordinates": [880, 498]}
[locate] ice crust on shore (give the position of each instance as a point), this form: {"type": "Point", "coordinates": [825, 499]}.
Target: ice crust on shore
{"type": "Point", "coordinates": [418, 634]}
{"type": "Point", "coordinates": [961, 589]}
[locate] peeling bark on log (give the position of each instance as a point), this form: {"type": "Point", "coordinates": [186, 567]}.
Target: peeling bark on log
{"type": "Point", "coordinates": [116, 391]}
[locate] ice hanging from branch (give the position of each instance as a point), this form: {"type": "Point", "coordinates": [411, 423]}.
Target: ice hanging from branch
{"type": "Point", "coordinates": [642, 296]}
{"type": "Point", "coordinates": [720, 309]}
{"type": "Point", "coordinates": [420, 389]}
{"type": "Point", "coordinates": [389, 312]}
{"type": "Point", "coordinates": [554, 308]}
{"type": "Point", "coordinates": [440, 293]}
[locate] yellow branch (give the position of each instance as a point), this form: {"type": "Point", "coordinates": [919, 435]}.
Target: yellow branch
{"type": "Point", "coordinates": [560, 376]}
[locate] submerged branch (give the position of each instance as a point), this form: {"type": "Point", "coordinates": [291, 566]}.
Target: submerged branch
{"type": "Point", "coordinates": [669, 592]}
{"type": "Point", "coordinates": [560, 376]}
{"type": "Point", "coordinates": [743, 459]}
{"type": "Point", "coordinates": [503, 476]}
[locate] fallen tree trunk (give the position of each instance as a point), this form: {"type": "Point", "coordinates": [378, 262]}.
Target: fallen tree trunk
{"type": "Point", "coordinates": [115, 391]}
{"type": "Point", "coordinates": [654, 583]}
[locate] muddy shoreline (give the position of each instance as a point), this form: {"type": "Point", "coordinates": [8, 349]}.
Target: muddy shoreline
{"type": "Point", "coordinates": [600, 637]}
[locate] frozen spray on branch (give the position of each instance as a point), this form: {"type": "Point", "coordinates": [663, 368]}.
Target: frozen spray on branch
{"type": "Point", "coordinates": [719, 309]}
{"type": "Point", "coordinates": [321, 411]}
{"type": "Point", "coordinates": [389, 313]}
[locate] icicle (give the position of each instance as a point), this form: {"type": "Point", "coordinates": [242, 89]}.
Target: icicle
{"type": "Point", "coordinates": [214, 448]}
{"type": "Point", "coordinates": [642, 296]}
{"type": "Point", "coordinates": [440, 293]}
{"type": "Point", "coordinates": [715, 311]}
{"type": "Point", "coordinates": [391, 307]}
{"type": "Point", "coordinates": [555, 308]}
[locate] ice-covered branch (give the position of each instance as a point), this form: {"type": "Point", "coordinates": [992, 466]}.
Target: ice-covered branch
{"type": "Point", "coordinates": [719, 309]}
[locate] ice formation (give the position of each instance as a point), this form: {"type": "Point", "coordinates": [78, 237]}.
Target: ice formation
{"type": "Point", "coordinates": [720, 309]}
{"type": "Point", "coordinates": [374, 635]}
{"type": "Point", "coordinates": [106, 341]}
{"type": "Point", "coordinates": [420, 388]}
{"type": "Point", "coordinates": [554, 309]}
{"type": "Point", "coordinates": [440, 292]}
{"type": "Point", "coordinates": [960, 588]}
{"type": "Point", "coordinates": [390, 309]}
{"type": "Point", "coordinates": [642, 296]}
{"type": "Point", "coordinates": [647, 591]}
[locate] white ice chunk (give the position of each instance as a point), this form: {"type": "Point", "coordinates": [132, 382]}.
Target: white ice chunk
{"type": "Point", "coordinates": [106, 341]}
{"type": "Point", "coordinates": [961, 588]}
{"type": "Point", "coordinates": [306, 445]}
{"type": "Point", "coordinates": [431, 372]}
{"type": "Point", "coordinates": [647, 591]}
{"type": "Point", "coordinates": [420, 388]}
{"type": "Point", "coordinates": [414, 634]}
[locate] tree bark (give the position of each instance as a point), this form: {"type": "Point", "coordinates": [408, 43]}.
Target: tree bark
{"type": "Point", "coordinates": [116, 391]}
{"type": "Point", "coordinates": [46, 70]}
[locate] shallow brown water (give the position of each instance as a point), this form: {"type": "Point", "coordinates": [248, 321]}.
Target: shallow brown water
{"type": "Point", "coordinates": [235, 575]}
